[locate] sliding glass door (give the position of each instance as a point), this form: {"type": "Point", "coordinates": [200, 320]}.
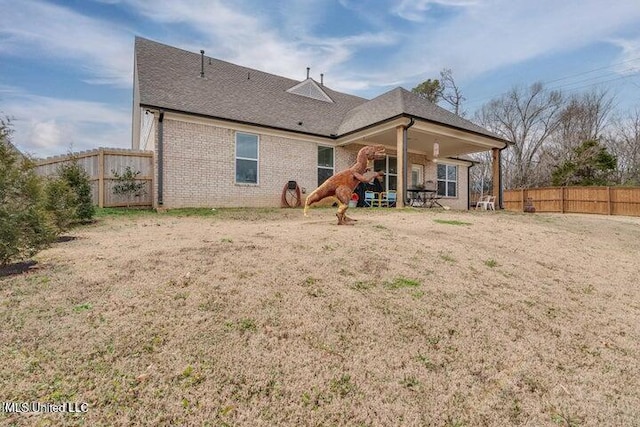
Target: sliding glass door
{"type": "Point", "coordinates": [388, 165]}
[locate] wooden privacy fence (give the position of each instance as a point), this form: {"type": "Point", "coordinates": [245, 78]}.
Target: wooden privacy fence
{"type": "Point", "coordinates": [594, 200]}
{"type": "Point", "coordinates": [99, 164]}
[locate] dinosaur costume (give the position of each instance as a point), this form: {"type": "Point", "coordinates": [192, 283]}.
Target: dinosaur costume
{"type": "Point", "coordinates": [342, 184]}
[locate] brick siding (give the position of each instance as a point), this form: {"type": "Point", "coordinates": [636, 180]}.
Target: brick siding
{"type": "Point", "coordinates": [199, 167]}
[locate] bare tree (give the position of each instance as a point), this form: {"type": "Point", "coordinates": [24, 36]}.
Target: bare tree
{"type": "Point", "coordinates": [481, 179]}
{"type": "Point", "coordinates": [624, 142]}
{"type": "Point", "coordinates": [443, 89]}
{"type": "Point", "coordinates": [527, 117]}
{"type": "Point", "coordinates": [451, 93]}
{"type": "Point", "coordinates": [583, 118]}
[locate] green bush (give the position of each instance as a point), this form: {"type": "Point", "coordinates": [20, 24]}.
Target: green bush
{"type": "Point", "coordinates": [591, 164]}
{"type": "Point", "coordinates": [24, 226]}
{"type": "Point", "coordinates": [127, 185]}
{"type": "Point", "coordinates": [78, 180]}
{"type": "Point", "coordinates": [60, 203]}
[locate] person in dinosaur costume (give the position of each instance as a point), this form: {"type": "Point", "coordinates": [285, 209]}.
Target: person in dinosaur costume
{"type": "Point", "coordinates": [342, 184]}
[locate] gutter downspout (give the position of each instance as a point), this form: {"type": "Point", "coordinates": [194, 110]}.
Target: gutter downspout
{"type": "Point", "coordinates": [404, 158]}
{"type": "Point", "coordinates": [160, 157]}
{"type": "Point", "coordinates": [469, 186]}
{"type": "Point", "coordinates": [500, 177]}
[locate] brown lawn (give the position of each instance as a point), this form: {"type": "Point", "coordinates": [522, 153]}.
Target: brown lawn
{"type": "Point", "coordinates": [262, 318]}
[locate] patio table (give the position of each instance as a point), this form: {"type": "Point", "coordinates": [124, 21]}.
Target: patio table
{"type": "Point", "coordinates": [424, 198]}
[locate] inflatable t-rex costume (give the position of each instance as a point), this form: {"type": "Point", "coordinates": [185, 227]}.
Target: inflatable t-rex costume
{"type": "Point", "coordinates": [342, 184]}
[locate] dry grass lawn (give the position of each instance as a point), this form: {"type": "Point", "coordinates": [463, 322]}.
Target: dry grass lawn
{"type": "Point", "coordinates": [263, 317]}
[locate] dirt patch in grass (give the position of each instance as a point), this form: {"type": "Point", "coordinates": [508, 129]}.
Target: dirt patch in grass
{"type": "Point", "coordinates": [17, 268]}
{"type": "Point", "coordinates": [263, 317]}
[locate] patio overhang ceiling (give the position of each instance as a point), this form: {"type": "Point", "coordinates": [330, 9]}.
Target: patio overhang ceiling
{"type": "Point", "coordinates": [422, 136]}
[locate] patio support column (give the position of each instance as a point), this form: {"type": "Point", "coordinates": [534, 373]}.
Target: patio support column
{"type": "Point", "coordinates": [400, 144]}
{"type": "Point", "coordinates": [495, 176]}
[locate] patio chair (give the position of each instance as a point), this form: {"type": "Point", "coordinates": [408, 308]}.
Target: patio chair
{"type": "Point", "coordinates": [487, 203]}
{"type": "Point", "coordinates": [389, 198]}
{"type": "Point", "coordinates": [371, 199]}
{"type": "Point", "coordinates": [480, 201]}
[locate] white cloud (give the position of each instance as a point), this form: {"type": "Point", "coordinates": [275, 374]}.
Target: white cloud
{"type": "Point", "coordinates": [628, 62]}
{"type": "Point", "coordinates": [49, 32]}
{"type": "Point", "coordinates": [48, 126]}
{"type": "Point", "coordinates": [280, 42]}
{"type": "Point", "coordinates": [229, 33]}
{"type": "Point", "coordinates": [47, 134]}
{"type": "Point", "coordinates": [415, 10]}
{"type": "Point", "coordinates": [284, 38]}
{"type": "Point", "coordinates": [477, 38]}
{"type": "Point", "coordinates": [501, 33]}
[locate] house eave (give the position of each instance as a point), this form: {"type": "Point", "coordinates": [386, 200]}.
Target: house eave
{"type": "Point", "coordinates": [391, 121]}
{"type": "Point", "coordinates": [238, 122]}
{"type": "Point", "coordinates": [343, 139]}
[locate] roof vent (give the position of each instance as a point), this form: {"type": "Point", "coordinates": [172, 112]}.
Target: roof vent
{"type": "Point", "coordinates": [321, 79]}
{"type": "Point", "coordinates": [202, 63]}
{"type": "Point", "coordinates": [310, 89]}
{"type": "Point", "coordinates": [308, 70]}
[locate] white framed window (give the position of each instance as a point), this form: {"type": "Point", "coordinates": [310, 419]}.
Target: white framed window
{"type": "Point", "coordinates": [447, 180]}
{"type": "Point", "coordinates": [247, 158]}
{"type": "Point", "coordinates": [416, 176]}
{"type": "Point", "coordinates": [325, 163]}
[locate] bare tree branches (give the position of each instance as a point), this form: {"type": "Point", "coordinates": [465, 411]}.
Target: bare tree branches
{"type": "Point", "coordinates": [443, 89]}
{"type": "Point", "coordinates": [451, 93]}
{"type": "Point", "coordinates": [584, 118]}
{"type": "Point", "coordinates": [624, 142]}
{"type": "Point", "coordinates": [527, 117]}
{"type": "Point", "coordinates": [548, 129]}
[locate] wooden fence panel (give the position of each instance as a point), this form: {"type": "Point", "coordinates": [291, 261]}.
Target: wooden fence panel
{"type": "Point", "coordinates": [100, 164]}
{"type": "Point", "coordinates": [593, 200]}
{"type": "Point", "coordinates": [586, 200]}
{"type": "Point", "coordinates": [625, 201]}
{"type": "Point", "coordinates": [546, 199]}
{"type": "Point", "coordinates": [512, 200]}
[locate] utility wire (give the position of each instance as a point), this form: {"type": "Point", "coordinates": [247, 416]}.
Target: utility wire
{"type": "Point", "coordinates": [632, 71]}
{"type": "Point", "coordinates": [591, 71]}
{"type": "Point", "coordinates": [596, 79]}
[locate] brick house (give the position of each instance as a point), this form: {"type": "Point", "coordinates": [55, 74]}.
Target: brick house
{"type": "Point", "coordinates": [224, 135]}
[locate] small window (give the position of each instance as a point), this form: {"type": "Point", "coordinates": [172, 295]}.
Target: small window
{"type": "Point", "coordinates": [325, 163]}
{"type": "Point", "coordinates": [447, 180]}
{"type": "Point", "coordinates": [246, 158]}
{"type": "Point", "coordinates": [416, 176]}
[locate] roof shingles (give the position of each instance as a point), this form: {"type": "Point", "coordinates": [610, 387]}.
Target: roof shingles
{"type": "Point", "coordinates": [169, 78]}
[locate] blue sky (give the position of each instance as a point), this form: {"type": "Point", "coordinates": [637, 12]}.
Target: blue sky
{"type": "Point", "coordinates": [66, 66]}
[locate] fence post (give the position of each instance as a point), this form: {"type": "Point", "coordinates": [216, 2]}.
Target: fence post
{"type": "Point", "coordinates": [562, 199]}
{"type": "Point", "coordinates": [101, 178]}
{"type": "Point", "coordinates": [522, 198]}
{"type": "Point", "coordinates": [608, 200]}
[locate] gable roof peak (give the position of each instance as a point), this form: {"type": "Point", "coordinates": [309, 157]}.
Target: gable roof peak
{"type": "Point", "coordinates": [311, 89]}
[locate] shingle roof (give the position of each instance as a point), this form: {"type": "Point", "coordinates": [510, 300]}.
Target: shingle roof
{"type": "Point", "coordinates": [400, 101]}
{"type": "Point", "coordinates": [169, 78]}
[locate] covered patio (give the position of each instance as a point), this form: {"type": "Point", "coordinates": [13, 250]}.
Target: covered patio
{"type": "Point", "coordinates": [418, 134]}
